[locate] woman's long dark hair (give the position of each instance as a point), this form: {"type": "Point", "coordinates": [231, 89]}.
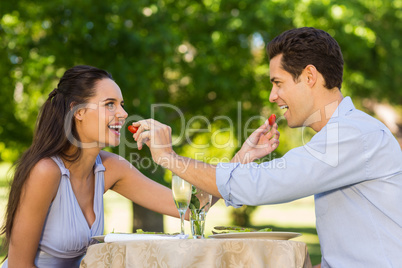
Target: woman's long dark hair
{"type": "Point", "coordinates": [54, 128]}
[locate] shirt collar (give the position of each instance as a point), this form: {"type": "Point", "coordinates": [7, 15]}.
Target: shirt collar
{"type": "Point", "coordinates": [345, 106]}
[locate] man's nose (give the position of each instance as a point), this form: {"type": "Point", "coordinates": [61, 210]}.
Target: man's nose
{"type": "Point", "coordinates": [273, 96]}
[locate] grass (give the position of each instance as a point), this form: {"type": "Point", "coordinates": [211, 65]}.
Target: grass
{"type": "Point", "coordinates": [297, 216]}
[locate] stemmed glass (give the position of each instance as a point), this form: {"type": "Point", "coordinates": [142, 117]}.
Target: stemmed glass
{"type": "Point", "coordinates": [181, 194]}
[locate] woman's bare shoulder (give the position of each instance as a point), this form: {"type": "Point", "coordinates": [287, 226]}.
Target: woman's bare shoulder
{"type": "Point", "coordinates": [43, 181]}
{"type": "Point", "coordinates": [45, 172]}
{"type": "Point", "coordinates": [113, 160]}
{"type": "Point", "coordinates": [117, 169]}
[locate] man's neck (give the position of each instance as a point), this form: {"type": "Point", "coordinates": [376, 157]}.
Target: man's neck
{"type": "Point", "coordinates": [327, 103]}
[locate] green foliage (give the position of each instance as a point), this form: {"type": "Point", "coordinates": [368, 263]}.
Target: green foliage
{"type": "Point", "coordinates": [205, 57]}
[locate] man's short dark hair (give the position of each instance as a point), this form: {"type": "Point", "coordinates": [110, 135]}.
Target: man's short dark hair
{"type": "Point", "coordinates": [303, 46]}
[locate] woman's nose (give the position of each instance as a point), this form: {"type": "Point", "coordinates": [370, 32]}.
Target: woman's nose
{"type": "Point", "coordinates": [122, 113]}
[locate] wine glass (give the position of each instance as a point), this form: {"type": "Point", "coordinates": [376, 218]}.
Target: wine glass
{"type": "Point", "coordinates": [181, 194]}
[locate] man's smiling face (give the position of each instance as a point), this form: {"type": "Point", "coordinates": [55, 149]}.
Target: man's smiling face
{"type": "Point", "coordinates": [294, 96]}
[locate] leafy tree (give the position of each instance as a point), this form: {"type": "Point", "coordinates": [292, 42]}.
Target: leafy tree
{"type": "Point", "coordinates": [205, 57]}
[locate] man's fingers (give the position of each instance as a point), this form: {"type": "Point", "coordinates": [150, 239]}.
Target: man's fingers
{"type": "Point", "coordinates": [143, 138]}
{"type": "Point", "coordinates": [143, 125]}
{"type": "Point", "coordinates": [152, 133]}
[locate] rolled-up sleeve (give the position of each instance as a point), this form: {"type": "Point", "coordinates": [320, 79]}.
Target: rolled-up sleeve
{"type": "Point", "coordinates": [250, 184]}
{"type": "Point", "coordinates": [223, 176]}
{"type": "Point", "coordinates": [351, 148]}
{"type": "Point", "coordinates": [301, 172]}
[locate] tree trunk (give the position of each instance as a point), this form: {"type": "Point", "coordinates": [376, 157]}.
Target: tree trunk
{"type": "Point", "coordinates": [146, 219]}
{"type": "Point", "coordinates": [242, 216]}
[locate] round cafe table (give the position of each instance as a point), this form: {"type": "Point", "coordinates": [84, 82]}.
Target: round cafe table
{"type": "Point", "coordinates": [198, 253]}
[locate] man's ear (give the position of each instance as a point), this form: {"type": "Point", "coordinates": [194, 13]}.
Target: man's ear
{"type": "Point", "coordinates": [310, 73]}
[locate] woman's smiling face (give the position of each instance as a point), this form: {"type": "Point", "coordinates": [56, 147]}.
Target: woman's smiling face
{"type": "Point", "coordinates": [99, 123]}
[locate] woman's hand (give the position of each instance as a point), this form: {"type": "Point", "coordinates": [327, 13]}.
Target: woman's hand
{"type": "Point", "coordinates": [260, 143]}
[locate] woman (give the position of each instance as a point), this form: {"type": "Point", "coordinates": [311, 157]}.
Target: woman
{"type": "Point", "coordinates": [56, 199]}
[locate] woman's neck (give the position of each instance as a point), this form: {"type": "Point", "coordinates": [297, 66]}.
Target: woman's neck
{"type": "Point", "coordinates": [81, 167]}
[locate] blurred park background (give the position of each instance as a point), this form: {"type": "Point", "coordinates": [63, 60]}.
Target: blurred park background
{"type": "Point", "coordinates": [205, 57]}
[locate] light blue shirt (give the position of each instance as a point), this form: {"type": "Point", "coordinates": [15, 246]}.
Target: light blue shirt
{"type": "Point", "coordinates": [353, 167]}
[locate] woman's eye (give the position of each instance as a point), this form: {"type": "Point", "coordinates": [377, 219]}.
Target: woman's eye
{"type": "Point", "coordinates": [110, 105]}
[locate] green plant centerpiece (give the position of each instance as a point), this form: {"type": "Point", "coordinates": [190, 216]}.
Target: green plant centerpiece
{"type": "Point", "coordinates": [199, 205]}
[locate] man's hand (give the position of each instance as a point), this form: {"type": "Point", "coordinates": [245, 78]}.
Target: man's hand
{"type": "Point", "coordinates": [157, 136]}
{"type": "Point", "coordinates": [159, 140]}
{"type": "Point", "coordinates": [260, 143]}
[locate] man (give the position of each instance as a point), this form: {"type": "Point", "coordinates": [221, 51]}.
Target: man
{"type": "Point", "coordinates": [352, 166]}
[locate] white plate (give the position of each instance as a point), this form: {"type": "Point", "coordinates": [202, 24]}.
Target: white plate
{"type": "Point", "coordinates": [258, 235]}
{"type": "Point", "coordinates": [120, 237]}
{"type": "Point", "coordinates": [101, 238]}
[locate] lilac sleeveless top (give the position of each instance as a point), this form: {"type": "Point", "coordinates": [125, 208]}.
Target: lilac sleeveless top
{"type": "Point", "coordinates": [66, 234]}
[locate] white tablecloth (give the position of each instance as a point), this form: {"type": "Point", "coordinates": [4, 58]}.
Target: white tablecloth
{"type": "Point", "coordinates": [205, 253]}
